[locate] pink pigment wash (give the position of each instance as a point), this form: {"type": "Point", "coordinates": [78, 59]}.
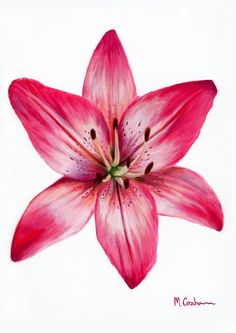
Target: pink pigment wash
{"type": "Point", "coordinates": [116, 152]}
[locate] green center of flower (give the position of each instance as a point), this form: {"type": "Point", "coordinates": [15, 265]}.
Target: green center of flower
{"type": "Point", "coordinates": [121, 173]}
{"type": "Point", "coordinates": [113, 171]}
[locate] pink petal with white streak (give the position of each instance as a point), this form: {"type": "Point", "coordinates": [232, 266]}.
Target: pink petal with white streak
{"type": "Point", "coordinates": [59, 124]}
{"type": "Point", "coordinates": [182, 193]}
{"type": "Point", "coordinates": [175, 116]}
{"type": "Point", "coordinates": [126, 225]}
{"type": "Point", "coordinates": [109, 82]}
{"type": "Point", "coordinates": [55, 214]}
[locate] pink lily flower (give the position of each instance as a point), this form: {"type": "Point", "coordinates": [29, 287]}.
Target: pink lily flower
{"type": "Point", "coordinates": [117, 154]}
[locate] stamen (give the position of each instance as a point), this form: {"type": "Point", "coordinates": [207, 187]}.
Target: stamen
{"type": "Point", "coordinates": [108, 177]}
{"type": "Point", "coordinates": [99, 149]}
{"type": "Point", "coordinates": [99, 176]}
{"type": "Point", "coordinates": [134, 174]}
{"type": "Point", "coordinates": [120, 181]}
{"type": "Point", "coordinates": [128, 161]}
{"type": "Point", "coordinates": [121, 172]}
{"type": "Point", "coordinates": [116, 160]}
{"type": "Point", "coordinates": [115, 123]}
{"type": "Point", "coordinates": [140, 174]}
{"type": "Point", "coordinates": [126, 183]}
{"type": "Point", "coordinates": [147, 134]}
{"type": "Point", "coordinates": [143, 147]}
{"type": "Point", "coordinates": [148, 168]}
{"type": "Point", "coordinates": [93, 134]}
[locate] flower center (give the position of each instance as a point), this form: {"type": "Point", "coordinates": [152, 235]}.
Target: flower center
{"type": "Point", "coordinates": [115, 171]}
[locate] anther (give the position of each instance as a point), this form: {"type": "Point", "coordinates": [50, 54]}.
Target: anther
{"type": "Point", "coordinates": [126, 183]}
{"type": "Point", "coordinates": [128, 162]}
{"type": "Point", "coordinates": [115, 123]}
{"type": "Point", "coordinates": [147, 134]}
{"type": "Point", "coordinates": [93, 134]}
{"type": "Point", "coordinates": [148, 168]}
{"type": "Point", "coordinates": [99, 176]}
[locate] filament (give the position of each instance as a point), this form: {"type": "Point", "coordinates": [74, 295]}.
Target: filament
{"type": "Point", "coordinates": [99, 149]}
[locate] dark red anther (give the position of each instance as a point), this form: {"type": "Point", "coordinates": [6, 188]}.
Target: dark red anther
{"type": "Point", "coordinates": [93, 134]}
{"type": "Point", "coordinates": [126, 183]}
{"type": "Point", "coordinates": [147, 134]}
{"type": "Point", "coordinates": [115, 123]}
{"type": "Point", "coordinates": [128, 162]}
{"type": "Point", "coordinates": [99, 176]}
{"type": "Point", "coordinates": [148, 168]}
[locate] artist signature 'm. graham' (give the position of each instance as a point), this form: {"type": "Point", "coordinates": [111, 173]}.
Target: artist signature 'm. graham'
{"type": "Point", "coordinates": [185, 302]}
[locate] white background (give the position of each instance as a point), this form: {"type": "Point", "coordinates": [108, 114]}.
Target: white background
{"type": "Point", "coordinates": [71, 286]}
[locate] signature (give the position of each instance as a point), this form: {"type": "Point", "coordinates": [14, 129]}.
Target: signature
{"type": "Point", "coordinates": [186, 302]}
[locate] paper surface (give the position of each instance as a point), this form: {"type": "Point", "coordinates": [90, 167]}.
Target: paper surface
{"type": "Point", "coordinates": [71, 286]}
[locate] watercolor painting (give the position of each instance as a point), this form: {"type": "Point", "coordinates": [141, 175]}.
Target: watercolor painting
{"type": "Point", "coordinates": [117, 154]}
{"type": "Point", "coordinates": [117, 173]}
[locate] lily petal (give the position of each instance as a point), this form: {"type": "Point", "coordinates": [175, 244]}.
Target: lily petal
{"type": "Point", "coordinates": [59, 124]}
{"type": "Point", "coordinates": [174, 115]}
{"type": "Point", "coordinates": [126, 225]}
{"type": "Point", "coordinates": [109, 82]}
{"type": "Point", "coordinates": [55, 214]}
{"type": "Point", "coordinates": [182, 193]}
